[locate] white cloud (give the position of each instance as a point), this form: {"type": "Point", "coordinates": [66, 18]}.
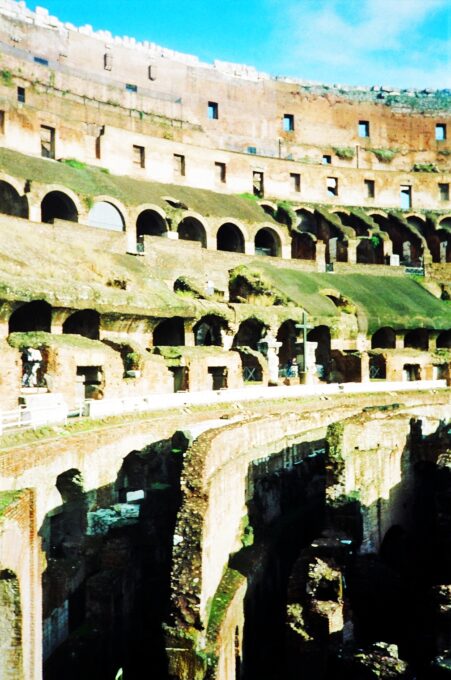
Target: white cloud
{"type": "Point", "coordinates": [374, 41]}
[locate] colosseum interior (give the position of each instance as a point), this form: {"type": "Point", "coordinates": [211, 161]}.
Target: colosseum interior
{"type": "Point", "coordinates": [225, 340]}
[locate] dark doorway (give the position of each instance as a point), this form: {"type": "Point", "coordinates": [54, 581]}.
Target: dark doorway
{"type": "Point", "coordinates": [230, 238]}
{"type": "Point", "coordinates": [86, 322]}
{"type": "Point", "coordinates": [191, 229]}
{"type": "Point", "coordinates": [57, 205]}
{"type": "Point", "coordinates": [33, 316]}
{"type": "Point", "coordinates": [170, 333]}
{"type": "Point", "coordinates": [10, 201]}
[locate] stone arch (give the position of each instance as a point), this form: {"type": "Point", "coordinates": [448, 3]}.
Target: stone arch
{"type": "Point", "coordinates": [268, 207]}
{"type": "Point", "coordinates": [360, 227]}
{"type": "Point", "coordinates": [406, 243]}
{"type": "Point", "coordinates": [106, 213]}
{"type": "Point", "coordinates": [417, 221]}
{"type": "Point", "coordinates": [31, 316]}
{"type": "Point", "coordinates": [417, 338]}
{"type": "Point", "coordinates": [268, 242]}
{"type": "Point", "coordinates": [11, 202]}
{"type": "Point", "coordinates": [383, 338]}
{"type": "Point", "coordinates": [249, 333]}
{"type": "Point", "coordinates": [85, 322]}
{"type": "Point", "coordinates": [306, 221]}
{"type": "Point", "coordinates": [444, 340]}
{"type": "Point", "coordinates": [151, 221]}
{"type": "Point", "coordinates": [207, 330]}
{"type": "Point", "coordinates": [191, 228]}
{"type": "Point", "coordinates": [170, 332]}
{"type": "Point", "coordinates": [303, 246]}
{"type": "Point", "coordinates": [370, 250]}
{"type": "Point", "coordinates": [230, 238]}
{"type": "Point", "coordinates": [439, 243]}
{"type": "Point", "coordinates": [321, 335]}
{"type": "Point", "coordinates": [58, 205]}
{"type": "Point", "coordinates": [444, 222]}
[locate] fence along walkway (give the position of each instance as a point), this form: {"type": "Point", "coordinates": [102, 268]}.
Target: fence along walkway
{"type": "Point", "coordinates": [36, 416]}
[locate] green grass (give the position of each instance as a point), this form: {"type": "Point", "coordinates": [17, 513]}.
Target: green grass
{"type": "Point", "coordinates": [384, 155]}
{"type": "Point", "coordinates": [346, 153]}
{"type": "Point", "coordinates": [395, 301]}
{"type": "Point", "coordinates": [227, 588]}
{"type": "Point", "coordinates": [6, 498]}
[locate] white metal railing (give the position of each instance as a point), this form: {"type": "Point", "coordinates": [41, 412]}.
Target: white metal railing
{"type": "Point", "coordinates": [25, 417]}
{"type": "Point", "coordinates": [58, 412]}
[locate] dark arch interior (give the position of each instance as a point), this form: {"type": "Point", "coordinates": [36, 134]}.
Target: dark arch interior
{"type": "Point", "coordinates": [207, 331]}
{"type": "Point", "coordinates": [384, 338]}
{"type": "Point", "coordinates": [444, 339]}
{"type": "Point", "coordinates": [86, 322]}
{"type": "Point", "coordinates": [306, 221]}
{"type": "Point", "coordinates": [33, 316]}
{"type": "Point", "coordinates": [149, 223]}
{"type": "Point", "coordinates": [418, 339]}
{"type": "Point", "coordinates": [287, 335]}
{"type": "Point", "coordinates": [321, 335]}
{"type": "Point", "coordinates": [249, 333]}
{"type": "Point", "coordinates": [230, 238]}
{"type": "Point", "coordinates": [57, 205]}
{"type": "Point", "coordinates": [303, 247]}
{"type": "Point", "coordinates": [10, 201]}
{"type": "Point", "coordinates": [191, 229]}
{"type": "Point", "coordinates": [266, 243]}
{"type": "Point", "coordinates": [359, 226]}
{"type": "Point", "coordinates": [170, 333]}
{"type": "Point", "coordinates": [370, 251]}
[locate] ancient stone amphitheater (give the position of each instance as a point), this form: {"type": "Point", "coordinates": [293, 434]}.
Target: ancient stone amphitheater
{"type": "Point", "coordinates": [228, 456]}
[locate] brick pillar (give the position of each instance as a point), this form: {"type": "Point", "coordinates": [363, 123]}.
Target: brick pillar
{"type": "Point", "coordinates": [352, 250]}
{"type": "Point", "coordinates": [321, 256]}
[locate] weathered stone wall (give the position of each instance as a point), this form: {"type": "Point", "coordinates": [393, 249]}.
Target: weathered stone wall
{"type": "Point", "coordinates": [21, 636]}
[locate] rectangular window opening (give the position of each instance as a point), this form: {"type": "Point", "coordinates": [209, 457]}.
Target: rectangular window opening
{"type": "Point", "coordinates": [108, 61]}
{"type": "Point", "coordinates": [440, 132]}
{"type": "Point", "coordinates": [47, 142]}
{"type": "Point", "coordinates": [369, 186]}
{"type": "Point", "coordinates": [220, 172]}
{"type": "Point", "coordinates": [405, 195]}
{"type": "Point", "coordinates": [295, 178]}
{"type": "Point", "coordinates": [252, 149]}
{"type": "Point", "coordinates": [213, 110]}
{"type": "Point", "coordinates": [131, 88]}
{"type": "Point", "coordinates": [326, 160]}
{"type": "Point", "coordinates": [41, 60]}
{"type": "Point", "coordinates": [332, 186]}
{"type": "Point", "coordinates": [288, 122]}
{"type": "Point", "coordinates": [364, 128]}
{"type": "Point", "coordinates": [2, 122]}
{"type": "Point", "coordinates": [444, 192]}
{"type": "Point", "coordinates": [21, 95]}
{"type": "Point", "coordinates": [139, 156]}
{"type": "Point", "coordinates": [258, 184]}
{"type": "Point", "coordinates": [179, 165]}
{"type": "Point", "coordinates": [152, 72]}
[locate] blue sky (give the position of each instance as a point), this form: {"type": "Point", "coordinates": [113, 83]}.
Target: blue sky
{"type": "Point", "coordinates": [403, 43]}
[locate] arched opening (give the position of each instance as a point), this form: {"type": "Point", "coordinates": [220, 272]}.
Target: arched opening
{"type": "Point", "coordinates": [33, 316]}
{"type": "Point", "coordinates": [303, 247]}
{"type": "Point", "coordinates": [86, 322]}
{"type": "Point", "coordinates": [104, 215]}
{"type": "Point", "coordinates": [149, 223]}
{"type": "Point", "coordinates": [370, 251]}
{"type": "Point", "coordinates": [249, 333]}
{"type": "Point", "coordinates": [207, 330]}
{"type": "Point", "coordinates": [287, 335]}
{"type": "Point", "coordinates": [384, 338]}
{"type": "Point", "coordinates": [10, 201]}
{"type": "Point", "coordinates": [418, 339]}
{"type": "Point", "coordinates": [360, 227]}
{"type": "Point", "coordinates": [444, 340]}
{"type": "Point", "coordinates": [336, 249]}
{"type": "Point", "coordinates": [407, 245]}
{"type": "Point", "coordinates": [267, 242]}
{"type": "Point", "coordinates": [67, 528]}
{"type": "Point", "coordinates": [58, 206]}
{"type": "Point", "coordinates": [439, 244]}
{"type": "Point", "coordinates": [230, 238]}
{"type": "Point", "coordinates": [170, 333]}
{"type": "Point", "coordinates": [306, 221]}
{"type": "Point", "coordinates": [190, 229]}
{"type": "Point", "coordinates": [418, 223]}
{"type": "Point", "coordinates": [321, 335]}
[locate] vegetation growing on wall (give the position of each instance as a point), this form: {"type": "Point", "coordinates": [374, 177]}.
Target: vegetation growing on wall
{"type": "Point", "coordinates": [346, 153]}
{"type": "Point", "coordinates": [425, 167]}
{"type": "Point", "coordinates": [384, 155]}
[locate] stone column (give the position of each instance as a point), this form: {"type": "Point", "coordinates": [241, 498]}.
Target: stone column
{"type": "Point", "coordinates": [321, 256]}
{"type": "Point", "coordinates": [269, 347]}
{"type": "Point", "coordinates": [249, 247]}
{"type": "Point", "coordinates": [352, 250]}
